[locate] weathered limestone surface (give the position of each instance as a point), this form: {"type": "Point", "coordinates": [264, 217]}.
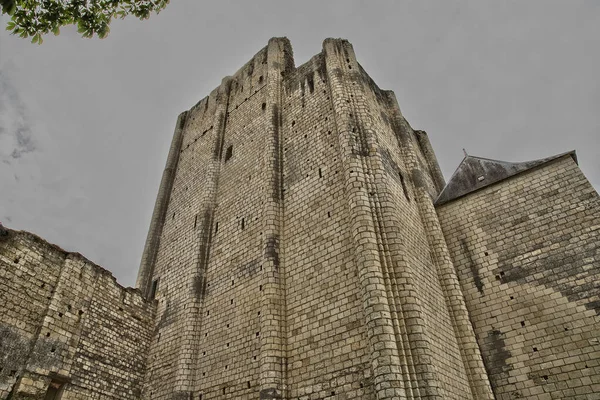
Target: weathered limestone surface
{"type": "Point", "coordinates": [527, 251]}
{"type": "Point", "coordinates": [65, 321]}
{"type": "Point", "coordinates": [304, 245]}
{"type": "Point", "coordinates": [294, 260]}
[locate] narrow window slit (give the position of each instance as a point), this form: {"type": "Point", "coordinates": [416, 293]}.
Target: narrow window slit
{"type": "Point", "coordinates": [153, 291]}
{"type": "Point", "coordinates": [229, 153]}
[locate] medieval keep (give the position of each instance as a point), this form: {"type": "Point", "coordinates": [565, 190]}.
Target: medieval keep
{"type": "Point", "coordinates": [305, 245]}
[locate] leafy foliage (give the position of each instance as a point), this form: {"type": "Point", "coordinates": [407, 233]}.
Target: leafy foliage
{"type": "Point", "coordinates": [35, 18]}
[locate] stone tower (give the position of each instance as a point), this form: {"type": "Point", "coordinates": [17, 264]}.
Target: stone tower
{"type": "Point", "coordinates": [294, 249]}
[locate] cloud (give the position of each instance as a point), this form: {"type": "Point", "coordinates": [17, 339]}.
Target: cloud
{"type": "Point", "coordinates": [16, 137]}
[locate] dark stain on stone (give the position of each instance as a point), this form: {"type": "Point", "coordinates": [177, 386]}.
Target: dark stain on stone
{"type": "Point", "coordinates": [557, 270]}
{"type": "Point", "coordinates": [357, 139]}
{"type": "Point", "coordinates": [14, 349]}
{"type": "Point", "coordinates": [352, 325]}
{"type": "Point", "coordinates": [276, 185]}
{"type": "Point", "coordinates": [199, 284]}
{"type": "Point", "coordinates": [319, 60]}
{"type": "Point", "coordinates": [401, 129]}
{"type": "Point", "coordinates": [288, 56]}
{"type": "Point", "coordinates": [272, 249]}
{"type": "Point", "coordinates": [182, 395]}
{"type": "Point", "coordinates": [250, 68]}
{"type": "Point", "coordinates": [167, 317]}
{"type": "Point", "coordinates": [419, 179]}
{"type": "Point", "coordinates": [537, 377]}
{"type": "Point", "coordinates": [310, 80]}
{"type": "Point", "coordinates": [270, 393]}
{"type": "Point", "coordinates": [248, 269]}
{"type": "Point", "coordinates": [3, 233]}
{"type": "Point", "coordinates": [360, 152]}
{"type": "Point", "coordinates": [344, 49]}
{"type": "Point", "coordinates": [263, 55]}
{"type": "Point", "coordinates": [588, 196]}
{"type": "Point", "coordinates": [520, 220]}
{"type": "Point", "coordinates": [48, 353]}
{"type": "Point", "coordinates": [594, 305]}
{"type": "Point", "coordinates": [218, 149]}
{"type": "Point", "coordinates": [472, 266]}
{"type": "Point", "coordinates": [182, 119]}
{"type": "Point", "coordinates": [551, 193]}
{"type": "Point", "coordinates": [385, 118]}
{"type": "Point", "coordinates": [496, 354]}
{"type": "Point", "coordinates": [389, 165]}
{"type": "Point", "coordinates": [337, 72]}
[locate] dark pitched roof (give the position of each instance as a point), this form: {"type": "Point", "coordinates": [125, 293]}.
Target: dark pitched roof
{"type": "Point", "coordinates": [474, 173]}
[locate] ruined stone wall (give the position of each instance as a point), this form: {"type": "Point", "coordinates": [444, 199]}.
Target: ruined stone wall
{"type": "Point", "coordinates": [65, 321]}
{"type": "Point", "coordinates": [528, 256]}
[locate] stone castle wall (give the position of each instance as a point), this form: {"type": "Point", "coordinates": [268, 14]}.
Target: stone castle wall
{"type": "Point", "coordinates": [65, 321]}
{"type": "Point", "coordinates": [527, 251]}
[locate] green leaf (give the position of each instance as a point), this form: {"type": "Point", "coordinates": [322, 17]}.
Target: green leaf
{"type": "Point", "coordinates": [36, 18]}
{"type": "Point", "coordinates": [8, 6]}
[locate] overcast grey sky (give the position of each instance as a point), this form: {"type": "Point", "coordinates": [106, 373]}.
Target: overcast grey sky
{"type": "Point", "coordinates": [85, 124]}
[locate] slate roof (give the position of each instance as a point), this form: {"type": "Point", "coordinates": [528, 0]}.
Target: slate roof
{"type": "Point", "coordinates": [475, 173]}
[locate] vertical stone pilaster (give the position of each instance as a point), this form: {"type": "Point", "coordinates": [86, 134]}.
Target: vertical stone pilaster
{"type": "Point", "coordinates": [146, 270]}
{"type": "Point", "coordinates": [463, 329]}
{"type": "Point", "coordinates": [272, 320]}
{"type": "Point", "coordinates": [195, 275]}
{"type": "Point", "coordinates": [355, 151]}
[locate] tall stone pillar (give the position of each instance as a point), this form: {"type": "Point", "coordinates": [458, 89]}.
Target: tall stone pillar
{"type": "Point", "coordinates": [146, 270]}
{"type": "Point", "coordinates": [272, 318]}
